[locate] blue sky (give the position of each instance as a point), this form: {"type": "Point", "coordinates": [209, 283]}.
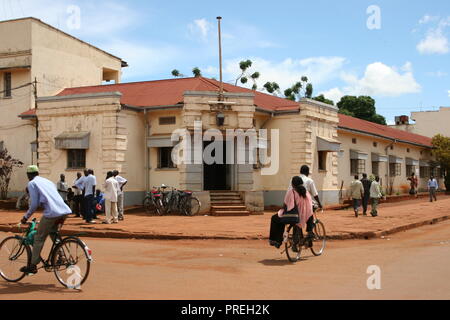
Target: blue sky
{"type": "Point", "coordinates": [404, 64]}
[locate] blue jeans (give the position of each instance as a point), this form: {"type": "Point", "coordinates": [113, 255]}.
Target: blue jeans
{"type": "Point", "coordinates": [89, 207]}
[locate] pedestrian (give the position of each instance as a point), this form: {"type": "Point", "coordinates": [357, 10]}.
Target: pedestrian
{"type": "Point", "coordinates": [122, 182]}
{"type": "Point", "coordinates": [414, 182]}
{"type": "Point", "coordinates": [23, 203]}
{"type": "Point", "coordinates": [78, 187]}
{"type": "Point", "coordinates": [90, 183]}
{"type": "Point", "coordinates": [43, 193]}
{"type": "Point", "coordinates": [111, 187]}
{"type": "Point", "coordinates": [310, 186]}
{"type": "Point", "coordinates": [375, 194]}
{"type": "Point", "coordinates": [432, 188]}
{"type": "Point", "coordinates": [366, 197]}
{"type": "Point", "coordinates": [62, 187]}
{"type": "Point", "coordinates": [99, 201]}
{"type": "Point", "coordinates": [356, 193]}
{"type": "Point", "coordinates": [70, 196]}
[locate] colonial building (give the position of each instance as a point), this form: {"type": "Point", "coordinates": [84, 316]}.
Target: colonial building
{"type": "Point", "coordinates": [38, 59]}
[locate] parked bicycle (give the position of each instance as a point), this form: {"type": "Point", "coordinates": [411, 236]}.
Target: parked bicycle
{"type": "Point", "coordinates": [69, 258]}
{"type": "Point", "coordinates": [153, 203]}
{"type": "Point", "coordinates": [163, 202]}
{"type": "Point", "coordinates": [293, 247]}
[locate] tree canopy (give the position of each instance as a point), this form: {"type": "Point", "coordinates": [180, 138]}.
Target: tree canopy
{"type": "Point", "coordinates": [441, 145]}
{"type": "Point", "coordinates": [362, 107]}
{"type": "Point", "coordinates": [322, 98]}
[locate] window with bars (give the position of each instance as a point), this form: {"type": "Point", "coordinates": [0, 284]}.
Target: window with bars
{"type": "Point", "coordinates": [424, 172]}
{"type": "Point", "coordinates": [76, 159]}
{"type": "Point", "coordinates": [7, 85]}
{"type": "Point", "coordinates": [375, 168]}
{"type": "Point", "coordinates": [167, 120]}
{"type": "Point", "coordinates": [165, 158]}
{"type": "Point", "coordinates": [410, 169]}
{"type": "Point", "coordinates": [395, 169]}
{"type": "Point", "coordinates": [357, 166]}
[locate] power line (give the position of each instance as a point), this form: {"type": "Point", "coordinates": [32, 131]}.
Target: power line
{"type": "Point", "coordinates": [19, 87]}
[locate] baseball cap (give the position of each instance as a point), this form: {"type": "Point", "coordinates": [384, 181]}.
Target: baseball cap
{"type": "Point", "coordinates": [32, 169]}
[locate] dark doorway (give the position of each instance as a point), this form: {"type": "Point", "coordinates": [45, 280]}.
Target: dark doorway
{"type": "Point", "coordinates": [216, 176]}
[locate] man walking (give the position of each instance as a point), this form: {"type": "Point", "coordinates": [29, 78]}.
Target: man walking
{"type": "Point", "coordinates": [366, 197]}
{"type": "Point", "coordinates": [356, 193]}
{"type": "Point", "coordinates": [90, 183]}
{"type": "Point", "coordinates": [432, 187]}
{"type": "Point", "coordinates": [62, 187]}
{"type": "Point", "coordinates": [375, 194]}
{"type": "Point", "coordinates": [43, 193]}
{"type": "Point", "coordinates": [78, 186]}
{"type": "Point", "coordinates": [122, 182]}
{"type": "Point", "coordinates": [309, 186]}
{"type": "Point", "coordinates": [111, 188]}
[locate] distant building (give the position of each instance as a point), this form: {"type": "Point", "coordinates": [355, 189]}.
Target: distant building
{"type": "Point", "coordinates": [426, 123]}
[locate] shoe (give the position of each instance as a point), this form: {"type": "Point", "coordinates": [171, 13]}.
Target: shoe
{"type": "Point", "coordinates": [121, 218]}
{"type": "Point", "coordinates": [356, 214]}
{"type": "Point", "coordinates": [275, 244]}
{"type": "Point", "coordinates": [91, 222]}
{"type": "Point", "coordinates": [106, 222]}
{"type": "Point", "coordinates": [365, 213]}
{"type": "Point", "coordinates": [29, 269]}
{"type": "Point", "coordinates": [115, 221]}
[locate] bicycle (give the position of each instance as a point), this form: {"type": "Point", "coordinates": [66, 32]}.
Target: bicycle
{"type": "Point", "coordinates": [153, 202]}
{"type": "Point", "coordinates": [316, 244]}
{"type": "Point", "coordinates": [182, 201]}
{"type": "Point", "coordinates": [69, 257]}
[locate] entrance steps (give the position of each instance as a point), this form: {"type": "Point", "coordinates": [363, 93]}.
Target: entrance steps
{"type": "Point", "coordinates": [227, 203]}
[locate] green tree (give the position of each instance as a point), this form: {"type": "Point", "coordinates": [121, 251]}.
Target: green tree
{"type": "Point", "coordinates": [362, 107]}
{"type": "Point", "coordinates": [245, 75]}
{"type": "Point", "coordinates": [177, 73]}
{"type": "Point", "coordinates": [300, 89]}
{"type": "Point", "coordinates": [441, 145]}
{"type": "Point", "coordinates": [196, 71]}
{"type": "Point", "coordinates": [322, 98]}
{"type": "Point", "coordinates": [271, 87]}
{"type": "Point", "coordinates": [7, 166]}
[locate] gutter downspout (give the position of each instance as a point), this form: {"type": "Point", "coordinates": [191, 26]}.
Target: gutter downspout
{"type": "Point", "coordinates": [146, 156]}
{"type": "Point", "coordinates": [388, 186]}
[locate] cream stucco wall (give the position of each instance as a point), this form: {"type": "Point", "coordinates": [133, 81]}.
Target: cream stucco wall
{"type": "Point", "coordinates": [428, 123]}
{"type": "Point", "coordinates": [30, 50]}
{"type": "Point", "coordinates": [364, 144]}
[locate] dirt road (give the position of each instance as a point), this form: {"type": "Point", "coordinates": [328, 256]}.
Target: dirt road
{"type": "Point", "coordinates": [413, 264]}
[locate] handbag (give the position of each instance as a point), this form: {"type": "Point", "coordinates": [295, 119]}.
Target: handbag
{"type": "Point", "coordinates": [292, 216]}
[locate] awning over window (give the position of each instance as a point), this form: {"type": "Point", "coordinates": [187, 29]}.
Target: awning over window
{"type": "Point", "coordinates": [394, 159]}
{"type": "Point", "coordinates": [327, 144]}
{"type": "Point", "coordinates": [424, 163]}
{"type": "Point", "coordinates": [72, 140]}
{"type": "Point", "coordinates": [376, 157]}
{"type": "Point", "coordinates": [160, 141]}
{"type": "Point", "coordinates": [358, 155]}
{"type": "Point", "coordinates": [412, 162]}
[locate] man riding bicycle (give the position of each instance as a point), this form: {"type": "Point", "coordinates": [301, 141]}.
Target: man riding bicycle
{"type": "Point", "coordinates": [43, 192]}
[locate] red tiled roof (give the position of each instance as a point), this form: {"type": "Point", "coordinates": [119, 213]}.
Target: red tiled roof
{"type": "Point", "coordinates": [29, 113]}
{"type": "Point", "coordinates": [364, 126]}
{"type": "Point", "coordinates": [170, 92]}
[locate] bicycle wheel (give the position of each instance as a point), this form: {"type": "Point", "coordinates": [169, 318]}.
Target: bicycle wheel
{"type": "Point", "coordinates": [14, 254]}
{"type": "Point", "coordinates": [292, 255]}
{"type": "Point", "coordinates": [71, 262]}
{"type": "Point", "coordinates": [159, 207]}
{"type": "Point", "coordinates": [319, 240]}
{"type": "Point", "coordinates": [191, 206]}
{"type": "Point", "coordinates": [149, 206]}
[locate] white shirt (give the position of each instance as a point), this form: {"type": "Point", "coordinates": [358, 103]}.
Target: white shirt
{"type": "Point", "coordinates": [121, 181]}
{"type": "Point", "coordinates": [112, 188]}
{"type": "Point", "coordinates": [89, 183]}
{"type": "Point", "coordinates": [309, 185]}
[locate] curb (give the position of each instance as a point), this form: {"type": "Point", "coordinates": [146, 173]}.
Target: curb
{"type": "Point", "coordinates": [153, 236]}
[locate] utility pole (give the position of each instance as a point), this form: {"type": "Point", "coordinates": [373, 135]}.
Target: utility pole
{"type": "Point", "coordinates": [37, 121]}
{"type": "Point", "coordinates": [220, 60]}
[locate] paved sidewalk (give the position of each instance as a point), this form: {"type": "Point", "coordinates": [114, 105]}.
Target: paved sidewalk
{"type": "Point", "coordinates": [340, 224]}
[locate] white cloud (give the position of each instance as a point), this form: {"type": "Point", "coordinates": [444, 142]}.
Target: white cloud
{"type": "Point", "coordinates": [449, 93]}
{"type": "Point", "coordinates": [434, 43]}
{"type": "Point", "coordinates": [378, 80]}
{"type": "Point", "coordinates": [201, 28]}
{"type": "Point", "coordinates": [319, 70]}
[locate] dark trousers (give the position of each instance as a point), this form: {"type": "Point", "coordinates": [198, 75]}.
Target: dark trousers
{"type": "Point", "coordinates": [365, 202]}
{"type": "Point", "coordinates": [277, 229]}
{"type": "Point", "coordinates": [77, 204]}
{"type": "Point", "coordinates": [89, 207]}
